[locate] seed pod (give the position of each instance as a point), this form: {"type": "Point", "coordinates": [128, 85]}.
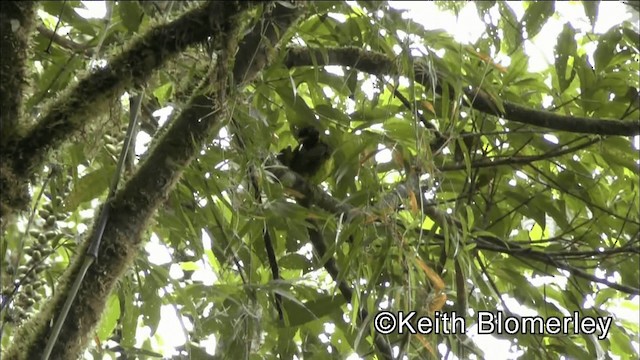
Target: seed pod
{"type": "Point", "coordinates": [42, 239]}
{"type": "Point", "coordinates": [44, 213]}
{"type": "Point", "coordinates": [36, 256]}
{"type": "Point", "coordinates": [111, 149]}
{"type": "Point", "coordinates": [50, 234]}
{"type": "Point", "coordinates": [51, 220]}
{"type": "Point", "coordinates": [34, 233]}
{"type": "Point", "coordinates": [109, 139]}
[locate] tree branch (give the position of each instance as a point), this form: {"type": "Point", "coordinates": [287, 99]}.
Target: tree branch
{"type": "Point", "coordinates": [16, 23]}
{"type": "Point", "coordinates": [67, 114]}
{"type": "Point", "coordinates": [516, 250]}
{"type": "Point", "coordinates": [518, 160]}
{"type": "Point", "coordinates": [316, 196]}
{"type": "Point", "coordinates": [258, 47]}
{"type": "Point", "coordinates": [134, 205]}
{"type": "Point", "coordinates": [378, 64]}
{"type": "Point", "coordinates": [64, 42]}
{"type": "Point", "coordinates": [17, 19]}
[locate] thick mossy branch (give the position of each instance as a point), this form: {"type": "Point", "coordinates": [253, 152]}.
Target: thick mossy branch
{"type": "Point", "coordinates": [131, 210]}
{"type": "Point", "coordinates": [17, 21]}
{"type": "Point", "coordinates": [379, 64]}
{"type": "Point", "coordinates": [135, 204]}
{"type": "Point", "coordinates": [79, 104]}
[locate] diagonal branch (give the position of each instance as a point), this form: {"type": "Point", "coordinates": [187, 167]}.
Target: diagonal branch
{"type": "Point", "coordinates": [17, 20]}
{"type": "Point", "coordinates": [518, 251]}
{"type": "Point", "coordinates": [16, 23]}
{"type": "Point", "coordinates": [519, 160]}
{"type": "Point", "coordinates": [378, 64]}
{"type": "Point", "coordinates": [135, 204]}
{"type": "Point", "coordinates": [259, 46]}
{"type": "Point", "coordinates": [64, 42]}
{"type": "Point", "coordinates": [66, 115]}
{"type": "Point", "coordinates": [326, 202]}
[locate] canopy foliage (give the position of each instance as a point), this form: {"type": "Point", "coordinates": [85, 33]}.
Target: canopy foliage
{"type": "Point", "coordinates": [461, 180]}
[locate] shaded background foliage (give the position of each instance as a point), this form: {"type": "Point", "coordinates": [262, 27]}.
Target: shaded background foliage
{"type": "Point", "coordinates": [501, 214]}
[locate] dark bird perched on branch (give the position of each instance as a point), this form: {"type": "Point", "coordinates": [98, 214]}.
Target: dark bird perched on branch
{"type": "Point", "coordinates": [311, 158]}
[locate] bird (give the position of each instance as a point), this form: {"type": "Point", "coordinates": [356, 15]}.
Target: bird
{"type": "Point", "coordinates": [311, 158]}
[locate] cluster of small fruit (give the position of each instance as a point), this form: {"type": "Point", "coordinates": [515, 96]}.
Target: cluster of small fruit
{"type": "Point", "coordinates": [26, 287]}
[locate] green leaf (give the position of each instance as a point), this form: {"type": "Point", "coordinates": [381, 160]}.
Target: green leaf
{"type": "Point", "coordinates": [536, 16]}
{"type": "Point", "coordinates": [631, 37]}
{"type": "Point", "coordinates": [295, 262]}
{"type": "Point", "coordinates": [529, 207]}
{"type": "Point", "coordinates": [517, 68]}
{"type": "Point", "coordinates": [65, 11]}
{"type": "Point", "coordinates": [606, 48]}
{"type": "Point", "coordinates": [163, 93]}
{"type": "Point", "coordinates": [565, 48]}
{"type": "Point", "coordinates": [484, 6]}
{"type": "Point", "coordinates": [588, 82]}
{"type": "Point", "coordinates": [604, 295]}
{"type": "Point", "coordinates": [591, 10]}
{"type": "Point", "coordinates": [197, 353]}
{"type": "Point", "coordinates": [129, 319]}
{"type": "Point", "coordinates": [620, 342]}
{"type": "Point", "coordinates": [511, 28]}
{"type": "Point", "coordinates": [313, 309]}
{"type": "Point", "coordinates": [298, 112]}
{"type": "Point", "coordinates": [131, 14]}
{"type": "Point", "coordinates": [151, 304]}
{"type": "Point", "coordinates": [332, 113]}
{"type": "Point", "coordinates": [109, 318]}
{"type": "Point", "coordinates": [55, 77]}
{"type": "Point", "coordinates": [189, 266]}
{"type": "Point", "coordinates": [401, 130]}
{"type": "Point", "coordinates": [370, 116]}
{"type": "Point", "coordinates": [614, 156]}
{"type": "Point", "coordinates": [286, 344]}
{"type": "Point", "coordinates": [89, 187]}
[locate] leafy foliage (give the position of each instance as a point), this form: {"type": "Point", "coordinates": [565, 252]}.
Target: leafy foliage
{"type": "Point", "coordinates": [504, 215]}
